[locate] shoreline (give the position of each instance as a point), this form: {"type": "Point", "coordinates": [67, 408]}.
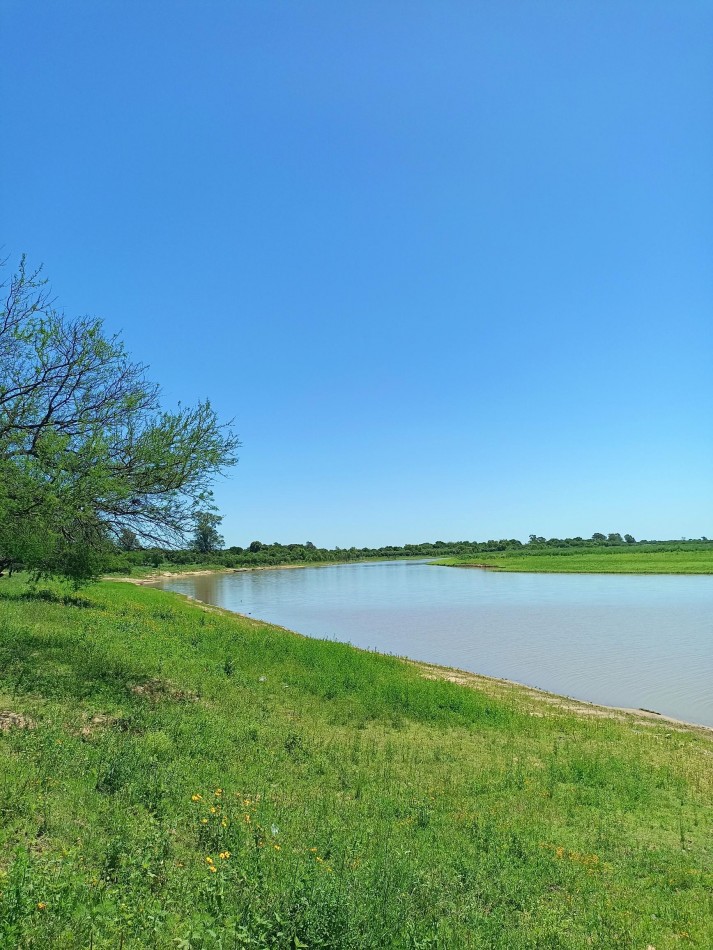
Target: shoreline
{"type": "Point", "coordinates": [547, 702]}
{"type": "Point", "coordinates": [156, 576]}
{"type": "Point", "coordinates": [558, 701]}
{"type": "Point", "coordinates": [497, 569]}
{"type": "Point", "coordinates": [533, 570]}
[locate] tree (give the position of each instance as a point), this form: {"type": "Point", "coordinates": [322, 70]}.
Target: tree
{"type": "Point", "coordinates": [128, 540]}
{"type": "Point", "coordinates": [599, 537]}
{"type": "Point", "coordinates": [86, 451]}
{"type": "Point", "coordinates": [630, 539]}
{"type": "Point", "coordinates": [206, 539]}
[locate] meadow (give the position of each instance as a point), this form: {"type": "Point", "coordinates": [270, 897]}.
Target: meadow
{"type": "Point", "coordinates": [691, 558]}
{"type": "Point", "coordinates": [172, 776]}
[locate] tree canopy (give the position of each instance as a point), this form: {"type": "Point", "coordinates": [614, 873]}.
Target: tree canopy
{"type": "Point", "coordinates": [87, 453]}
{"type": "Point", "coordinates": [206, 537]}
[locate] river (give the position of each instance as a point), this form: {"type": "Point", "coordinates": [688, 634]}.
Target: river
{"type": "Point", "coordinates": [621, 640]}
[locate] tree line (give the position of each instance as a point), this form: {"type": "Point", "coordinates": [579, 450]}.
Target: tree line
{"type": "Point", "coordinates": [260, 554]}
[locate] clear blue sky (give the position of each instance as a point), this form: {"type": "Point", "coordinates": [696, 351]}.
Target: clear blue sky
{"type": "Point", "coordinates": [449, 265]}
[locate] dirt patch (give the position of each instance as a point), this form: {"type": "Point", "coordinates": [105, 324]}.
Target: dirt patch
{"type": "Point", "coordinates": [155, 690]}
{"type": "Point", "coordinates": [10, 720]}
{"type": "Point", "coordinates": [98, 723]}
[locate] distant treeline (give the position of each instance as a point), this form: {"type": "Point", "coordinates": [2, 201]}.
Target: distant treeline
{"type": "Point", "coordinates": [260, 554]}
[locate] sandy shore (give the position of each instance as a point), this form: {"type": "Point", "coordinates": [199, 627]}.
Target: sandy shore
{"type": "Point", "coordinates": [157, 576]}
{"type": "Point", "coordinates": [545, 703]}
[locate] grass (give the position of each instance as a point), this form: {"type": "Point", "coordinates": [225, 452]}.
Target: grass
{"type": "Point", "coordinates": [174, 777]}
{"type": "Point", "coordinates": [645, 559]}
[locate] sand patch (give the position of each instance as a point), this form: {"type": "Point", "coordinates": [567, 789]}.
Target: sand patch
{"type": "Point", "coordinates": [11, 720]}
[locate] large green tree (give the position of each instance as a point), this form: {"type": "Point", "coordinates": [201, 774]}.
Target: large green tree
{"type": "Point", "coordinates": [86, 450]}
{"type": "Point", "coordinates": [206, 537]}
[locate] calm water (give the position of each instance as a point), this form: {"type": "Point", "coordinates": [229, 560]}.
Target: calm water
{"type": "Point", "coordinates": [619, 640]}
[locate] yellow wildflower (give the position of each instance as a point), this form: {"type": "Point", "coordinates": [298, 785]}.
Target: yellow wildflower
{"type": "Point", "coordinates": [224, 855]}
{"type": "Point", "coordinates": [213, 810]}
{"type": "Point", "coordinates": [218, 792]}
{"type": "Point", "coordinates": [212, 868]}
{"type": "Point", "coordinates": [277, 847]}
{"type": "Point", "coordinates": [196, 798]}
{"type": "Point", "coordinates": [209, 860]}
{"type": "Point", "coordinates": [41, 905]}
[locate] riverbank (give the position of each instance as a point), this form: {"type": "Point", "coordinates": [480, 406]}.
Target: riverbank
{"type": "Point", "coordinates": [168, 772]}
{"type": "Point", "coordinates": [490, 684]}
{"type": "Point", "coordinates": [613, 560]}
{"type": "Point", "coordinates": [150, 576]}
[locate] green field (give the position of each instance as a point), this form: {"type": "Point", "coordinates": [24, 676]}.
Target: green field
{"type": "Point", "coordinates": [177, 777]}
{"type": "Point", "coordinates": [639, 559]}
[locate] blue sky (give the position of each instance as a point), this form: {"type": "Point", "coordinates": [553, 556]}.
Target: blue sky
{"type": "Point", "coordinates": [448, 265]}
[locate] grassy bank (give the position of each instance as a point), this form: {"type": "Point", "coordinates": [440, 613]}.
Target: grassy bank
{"type": "Point", "coordinates": [652, 559]}
{"type": "Point", "coordinates": [173, 777]}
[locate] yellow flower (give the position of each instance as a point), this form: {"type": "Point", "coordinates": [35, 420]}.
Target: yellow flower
{"type": "Point", "coordinates": [246, 819]}
{"type": "Point", "coordinates": [209, 860]}
{"type": "Point", "coordinates": [218, 792]}
{"type": "Point", "coordinates": [212, 868]}
{"type": "Point", "coordinates": [204, 821]}
{"type": "Point", "coordinates": [224, 855]}
{"type": "Point", "coordinates": [41, 905]}
{"type": "Point", "coordinates": [213, 809]}
{"type": "Point", "coordinates": [313, 850]}
{"type": "Point", "coordinates": [277, 847]}
{"type": "Point", "coordinates": [196, 798]}
{"type": "Point", "coordinates": [224, 822]}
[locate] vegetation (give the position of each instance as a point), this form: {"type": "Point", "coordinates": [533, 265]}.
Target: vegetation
{"type": "Point", "coordinates": [88, 459]}
{"type": "Point", "coordinates": [177, 777]}
{"type": "Point", "coordinates": [685, 556]}
{"type": "Point", "coordinates": [206, 539]}
{"type": "Point", "coordinates": [650, 558]}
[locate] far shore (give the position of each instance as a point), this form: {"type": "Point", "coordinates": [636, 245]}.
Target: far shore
{"type": "Point", "coordinates": [156, 576]}
{"type": "Point", "coordinates": [497, 569]}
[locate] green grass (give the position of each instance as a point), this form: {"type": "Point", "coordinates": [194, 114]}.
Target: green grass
{"type": "Point", "coordinates": [361, 804]}
{"type": "Point", "coordinates": [654, 559]}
